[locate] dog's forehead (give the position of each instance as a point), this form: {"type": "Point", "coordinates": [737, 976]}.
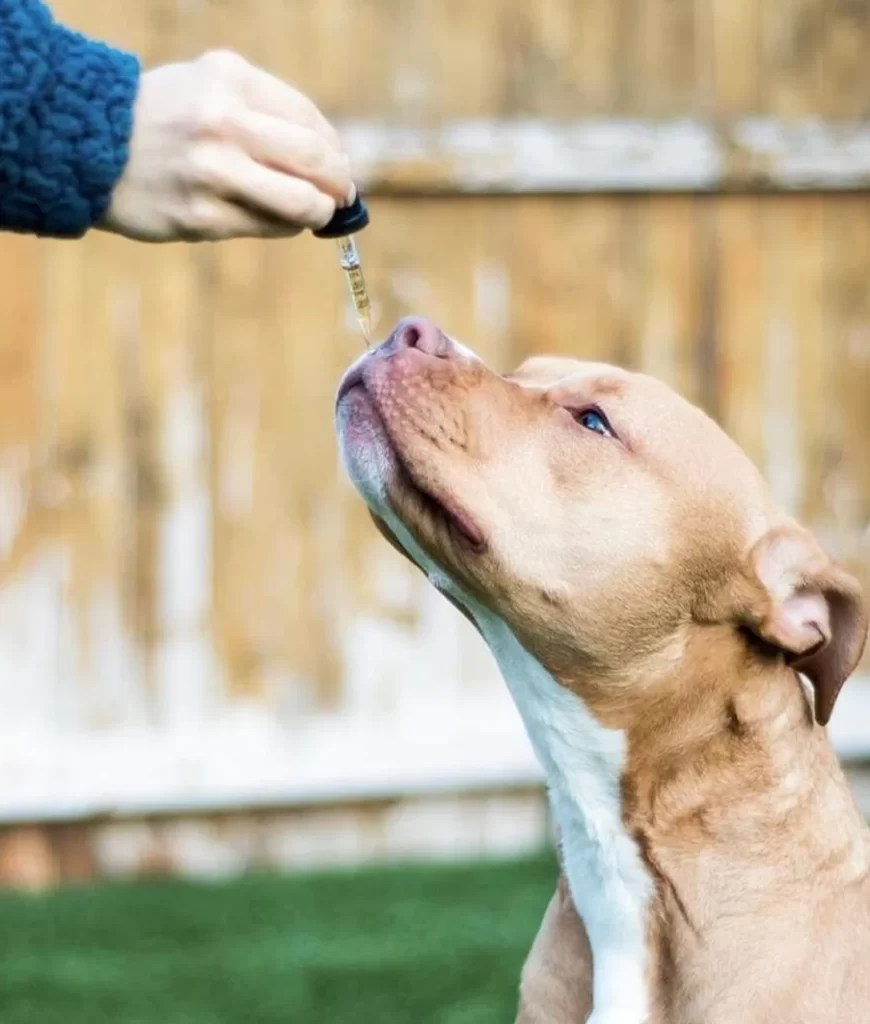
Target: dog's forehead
{"type": "Point", "coordinates": [550, 371]}
{"type": "Point", "coordinates": [574, 378]}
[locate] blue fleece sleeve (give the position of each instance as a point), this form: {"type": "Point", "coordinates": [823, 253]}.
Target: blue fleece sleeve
{"type": "Point", "coordinates": [66, 114]}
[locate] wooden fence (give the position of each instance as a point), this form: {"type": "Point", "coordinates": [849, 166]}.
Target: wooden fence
{"type": "Point", "coordinates": [195, 613]}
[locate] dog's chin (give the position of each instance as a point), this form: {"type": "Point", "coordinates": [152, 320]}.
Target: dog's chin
{"type": "Point", "coordinates": [385, 482]}
{"type": "Point", "coordinates": [366, 451]}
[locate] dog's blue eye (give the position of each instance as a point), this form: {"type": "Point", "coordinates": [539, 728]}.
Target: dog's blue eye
{"type": "Point", "coordinates": [593, 420]}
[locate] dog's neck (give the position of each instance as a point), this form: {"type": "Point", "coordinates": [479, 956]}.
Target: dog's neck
{"type": "Point", "coordinates": [731, 763]}
{"type": "Point", "coordinates": [727, 756]}
{"type": "Point", "coordinates": [741, 808]}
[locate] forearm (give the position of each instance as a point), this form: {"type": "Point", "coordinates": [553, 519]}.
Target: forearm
{"type": "Point", "coordinates": [66, 111]}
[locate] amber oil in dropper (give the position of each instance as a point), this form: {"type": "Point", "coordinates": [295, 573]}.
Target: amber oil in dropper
{"type": "Point", "coordinates": [348, 257]}
{"type": "Point", "coordinates": [347, 221]}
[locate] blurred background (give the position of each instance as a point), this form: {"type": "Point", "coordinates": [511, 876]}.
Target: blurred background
{"type": "Point", "coordinates": [210, 663]}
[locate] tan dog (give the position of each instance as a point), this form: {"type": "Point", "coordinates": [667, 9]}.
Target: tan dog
{"type": "Point", "coordinates": [649, 608]}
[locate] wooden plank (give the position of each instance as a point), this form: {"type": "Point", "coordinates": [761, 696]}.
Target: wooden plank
{"type": "Point", "coordinates": [669, 289]}
{"type": "Point", "coordinates": [511, 822]}
{"type": "Point", "coordinates": [19, 355]}
{"type": "Point", "coordinates": [570, 291]}
{"type": "Point", "coordinates": [791, 32]}
{"type": "Point", "coordinates": [419, 62]}
{"type": "Point", "coordinates": [845, 70]}
{"type": "Point", "coordinates": [731, 56]}
{"type": "Point", "coordinates": [740, 321]}
{"type": "Point", "coordinates": [662, 50]}
{"type": "Point", "coordinates": [846, 476]}
{"type": "Point", "coordinates": [800, 251]}
{"type": "Point", "coordinates": [843, 480]}
{"type": "Point", "coordinates": [814, 58]}
{"type": "Point", "coordinates": [241, 537]}
{"type": "Point", "coordinates": [609, 155]}
{"type": "Point", "coordinates": [478, 746]}
{"type": "Point", "coordinates": [309, 333]}
{"type": "Point", "coordinates": [791, 350]}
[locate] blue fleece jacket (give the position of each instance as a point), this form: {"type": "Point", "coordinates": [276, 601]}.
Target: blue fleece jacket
{"type": "Point", "coordinates": [66, 113]}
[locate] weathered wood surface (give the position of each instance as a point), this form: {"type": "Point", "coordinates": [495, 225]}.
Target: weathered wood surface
{"type": "Point", "coordinates": [194, 608]}
{"type": "Point", "coordinates": [507, 823]}
{"type": "Point", "coordinates": [484, 157]}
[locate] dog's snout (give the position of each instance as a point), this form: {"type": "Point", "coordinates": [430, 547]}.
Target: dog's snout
{"type": "Point", "coordinates": [417, 332]}
{"type": "Point", "coordinates": [413, 332]}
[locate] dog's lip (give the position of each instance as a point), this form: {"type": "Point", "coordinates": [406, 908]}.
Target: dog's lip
{"type": "Point", "coordinates": [352, 379]}
{"type": "Point", "coordinates": [447, 507]}
{"type": "Point", "coordinates": [465, 525]}
{"type": "Point", "coordinates": [438, 506]}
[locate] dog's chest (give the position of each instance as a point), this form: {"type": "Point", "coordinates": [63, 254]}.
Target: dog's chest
{"type": "Point", "coordinates": [609, 883]}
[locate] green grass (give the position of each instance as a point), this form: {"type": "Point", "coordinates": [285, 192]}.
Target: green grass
{"type": "Point", "coordinates": [411, 945]}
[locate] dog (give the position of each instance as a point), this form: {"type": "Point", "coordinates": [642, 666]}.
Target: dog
{"type": "Point", "coordinates": [675, 645]}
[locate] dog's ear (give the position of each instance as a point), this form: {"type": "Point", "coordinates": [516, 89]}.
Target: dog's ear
{"type": "Point", "coordinates": [809, 608]}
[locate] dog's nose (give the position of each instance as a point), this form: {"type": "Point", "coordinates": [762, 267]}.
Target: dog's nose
{"type": "Point", "coordinates": [417, 332]}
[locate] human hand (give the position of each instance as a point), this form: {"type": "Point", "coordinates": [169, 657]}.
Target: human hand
{"type": "Point", "coordinates": [221, 149]}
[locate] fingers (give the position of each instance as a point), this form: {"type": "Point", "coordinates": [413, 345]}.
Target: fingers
{"type": "Point", "coordinates": [233, 175]}
{"type": "Point", "coordinates": [295, 150]}
{"type": "Point", "coordinates": [266, 94]}
{"type": "Point", "coordinates": [269, 95]}
{"type": "Point", "coordinates": [209, 218]}
{"type": "Point", "coordinates": [276, 124]}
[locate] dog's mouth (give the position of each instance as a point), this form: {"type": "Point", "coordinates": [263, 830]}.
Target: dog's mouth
{"type": "Point", "coordinates": [435, 505]}
{"type": "Point", "coordinates": [457, 522]}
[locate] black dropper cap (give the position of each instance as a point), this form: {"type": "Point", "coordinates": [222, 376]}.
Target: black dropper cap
{"type": "Point", "coordinates": [346, 221]}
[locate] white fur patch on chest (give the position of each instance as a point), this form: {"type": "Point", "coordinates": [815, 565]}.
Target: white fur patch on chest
{"type": "Point", "coordinates": [608, 880]}
{"type": "Point", "coordinates": [583, 761]}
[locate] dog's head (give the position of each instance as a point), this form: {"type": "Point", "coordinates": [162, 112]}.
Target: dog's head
{"type": "Point", "coordinates": [606, 520]}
